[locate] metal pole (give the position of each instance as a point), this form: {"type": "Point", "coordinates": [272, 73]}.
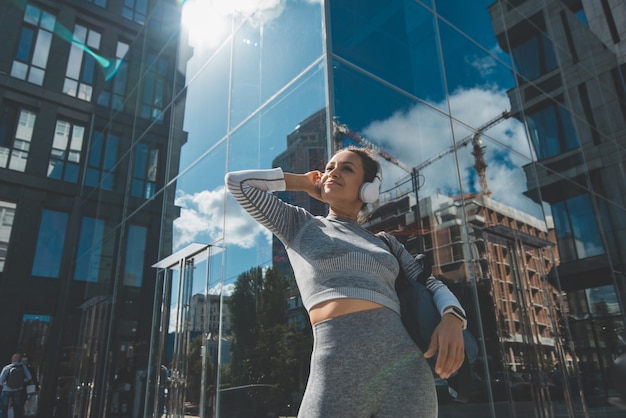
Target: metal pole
{"type": "Point", "coordinates": [418, 216]}
{"type": "Point", "coordinates": [205, 333]}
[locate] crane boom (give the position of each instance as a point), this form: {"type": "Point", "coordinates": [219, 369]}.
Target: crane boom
{"type": "Point", "coordinates": [345, 131]}
{"type": "Point", "coordinates": [477, 149]}
{"type": "Point", "coordinates": [474, 138]}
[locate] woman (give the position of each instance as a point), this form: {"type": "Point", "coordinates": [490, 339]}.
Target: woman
{"type": "Point", "coordinates": [364, 364]}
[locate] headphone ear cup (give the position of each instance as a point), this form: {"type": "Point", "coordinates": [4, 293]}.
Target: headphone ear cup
{"type": "Point", "coordinates": [369, 192]}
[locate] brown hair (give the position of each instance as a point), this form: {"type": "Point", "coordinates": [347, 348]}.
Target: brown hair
{"type": "Point", "coordinates": [371, 167]}
{"type": "Point", "coordinates": [370, 164]}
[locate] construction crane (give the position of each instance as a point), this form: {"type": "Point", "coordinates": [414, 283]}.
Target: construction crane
{"type": "Point", "coordinates": [477, 149]}
{"type": "Point", "coordinates": [343, 130]}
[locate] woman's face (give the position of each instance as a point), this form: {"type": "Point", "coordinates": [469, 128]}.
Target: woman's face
{"type": "Point", "coordinates": [343, 178]}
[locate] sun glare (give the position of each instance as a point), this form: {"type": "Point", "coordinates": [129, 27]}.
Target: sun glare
{"type": "Point", "coordinates": [205, 23]}
{"type": "Point", "coordinates": [207, 20]}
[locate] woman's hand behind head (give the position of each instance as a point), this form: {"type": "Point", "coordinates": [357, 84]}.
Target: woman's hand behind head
{"type": "Point", "coordinates": [314, 188]}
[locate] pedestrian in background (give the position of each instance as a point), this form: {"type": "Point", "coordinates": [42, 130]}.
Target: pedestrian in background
{"type": "Point", "coordinates": [13, 378]}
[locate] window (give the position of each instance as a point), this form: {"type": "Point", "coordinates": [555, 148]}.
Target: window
{"type": "Point", "coordinates": [514, 3]}
{"type": "Point", "coordinates": [94, 258]}
{"type": "Point", "coordinates": [610, 21]}
{"type": "Point", "coordinates": [457, 252]}
{"type": "Point", "coordinates": [102, 159]}
{"type": "Point", "coordinates": [115, 89]}
{"type": "Point", "coordinates": [576, 6]}
{"type": "Point", "coordinates": [66, 148]}
{"type": "Point", "coordinates": [135, 10]}
{"type": "Point", "coordinates": [552, 131]}
{"type": "Point", "coordinates": [135, 253]}
{"type": "Point", "coordinates": [16, 131]}
{"type": "Point", "coordinates": [152, 99]}
{"type": "Point", "coordinates": [603, 301]}
{"type": "Point", "coordinates": [50, 240]}
{"type": "Point", "coordinates": [81, 66]}
{"type": "Point", "coordinates": [33, 48]}
{"type": "Point", "coordinates": [533, 52]}
{"type": "Point", "coordinates": [101, 3]}
{"type": "Point", "coordinates": [145, 171]}
{"type": "Point", "coordinates": [7, 213]}
{"type": "Point", "coordinates": [576, 229]}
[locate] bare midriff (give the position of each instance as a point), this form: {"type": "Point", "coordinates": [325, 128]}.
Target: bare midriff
{"type": "Point", "coordinates": [338, 307]}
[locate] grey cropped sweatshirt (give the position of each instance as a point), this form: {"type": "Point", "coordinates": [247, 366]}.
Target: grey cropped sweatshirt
{"type": "Point", "coordinates": [332, 257]}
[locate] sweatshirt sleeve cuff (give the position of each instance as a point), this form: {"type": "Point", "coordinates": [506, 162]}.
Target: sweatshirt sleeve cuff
{"type": "Point", "coordinates": [271, 180]}
{"type": "Point", "coordinates": [279, 185]}
{"type": "Point", "coordinates": [444, 298]}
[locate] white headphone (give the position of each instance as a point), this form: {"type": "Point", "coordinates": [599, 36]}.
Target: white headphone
{"type": "Point", "coordinates": [370, 191]}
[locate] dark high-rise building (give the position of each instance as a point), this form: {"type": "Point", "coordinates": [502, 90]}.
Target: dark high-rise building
{"type": "Point", "coordinates": [90, 133]}
{"type": "Point", "coordinates": [571, 95]}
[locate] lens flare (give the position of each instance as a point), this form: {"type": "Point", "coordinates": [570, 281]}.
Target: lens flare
{"type": "Point", "coordinates": [109, 67]}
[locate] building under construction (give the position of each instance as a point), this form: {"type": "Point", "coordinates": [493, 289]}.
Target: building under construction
{"type": "Point", "coordinates": [508, 254]}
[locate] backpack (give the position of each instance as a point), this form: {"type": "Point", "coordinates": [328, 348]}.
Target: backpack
{"type": "Point", "coordinates": [16, 377]}
{"type": "Point", "coordinates": [420, 317]}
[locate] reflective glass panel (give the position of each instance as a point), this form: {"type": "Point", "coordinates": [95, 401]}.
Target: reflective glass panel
{"type": "Point", "coordinates": [577, 229]}
{"type": "Point", "coordinates": [206, 127]}
{"type": "Point", "coordinates": [7, 214]}
{"type": "Point", "coordinates": [265, 60]}
{"type": "Point", "coordinates": [50, 243]}
{"type": "Point", "coordinates": [135, 253]}
{"type": "Point", "coordinates": [95, 251]}
{"type": "Point", "coordinates": [395, 41]}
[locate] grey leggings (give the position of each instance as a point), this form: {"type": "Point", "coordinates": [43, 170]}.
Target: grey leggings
{"type": "Point", "coordinates": [365, 365]}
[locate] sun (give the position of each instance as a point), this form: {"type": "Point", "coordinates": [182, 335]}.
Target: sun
{"type": "Point", "coordinates": [208, 21]}
{"type": "Point", "coordinates": [205, 22]}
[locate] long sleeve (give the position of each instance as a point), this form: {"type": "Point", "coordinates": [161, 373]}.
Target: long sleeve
{"type": "Point", "coordinates": [442, 295]}
{"type": "Point", "coordinates": [251, 189]}
{"type": "Point", "coordinates": [3, 375]}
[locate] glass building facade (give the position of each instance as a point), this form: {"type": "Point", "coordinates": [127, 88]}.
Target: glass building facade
{"type": "Point", "coordinates": [138, 287]}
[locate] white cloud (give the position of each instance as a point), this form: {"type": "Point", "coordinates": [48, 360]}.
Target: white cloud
{"type": "Point", "coordinates": [421, 134]}
{"type": "Point", "coordinates": [202, 220]}
{"type": "Point", "coordinates": [227, 289]}
{"type": "Point", "coordinates": [484, 65]}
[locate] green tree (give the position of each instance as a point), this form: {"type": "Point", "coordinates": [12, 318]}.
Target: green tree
{"type": "Point", "coordinates": [273, 303]}
{"type": "Point", "coordinates": [245, 325]}
{"type": "Point", "coordinates": [194, 370]}
{"type": "Point", "coordinates": [265, 348]}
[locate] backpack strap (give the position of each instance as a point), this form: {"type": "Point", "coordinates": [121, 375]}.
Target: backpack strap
{"type": "Point", "coordinates": [421, 259]}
